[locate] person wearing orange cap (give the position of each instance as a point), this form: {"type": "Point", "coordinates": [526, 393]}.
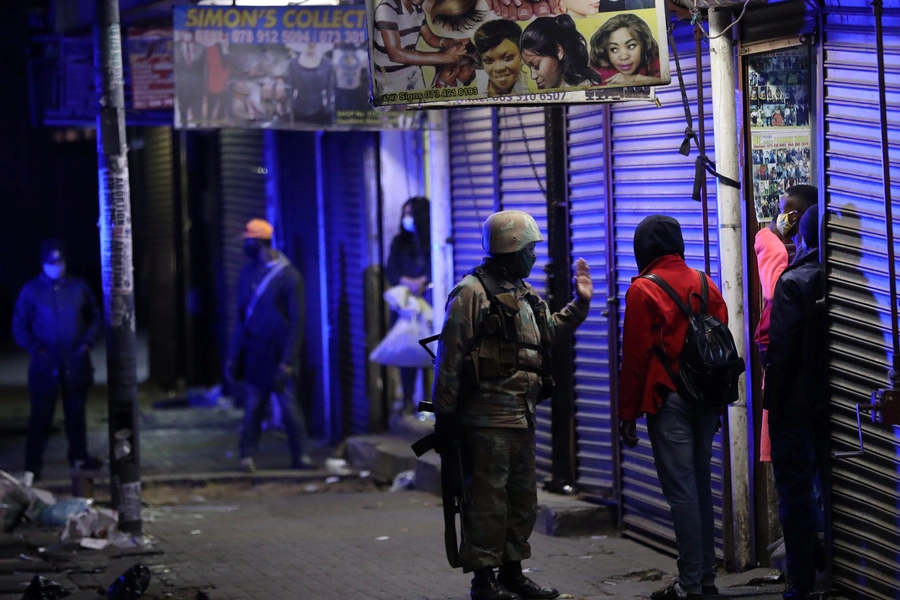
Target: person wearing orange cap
{"type": "Point", "coordinates": [265, 345]}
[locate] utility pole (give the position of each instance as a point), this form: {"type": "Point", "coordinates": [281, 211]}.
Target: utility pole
{"type": "Point", "coordinates": [117, 267]}
{"type": "Point", "coordinates": [731, 253]}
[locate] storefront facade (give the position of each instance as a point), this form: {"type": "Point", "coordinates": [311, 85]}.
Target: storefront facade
{"type": "Point", "coordinates": [620, 163]}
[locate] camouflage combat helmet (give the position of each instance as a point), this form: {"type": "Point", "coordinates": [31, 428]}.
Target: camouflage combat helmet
{"type": "Point", "coordinates": [509, 231]}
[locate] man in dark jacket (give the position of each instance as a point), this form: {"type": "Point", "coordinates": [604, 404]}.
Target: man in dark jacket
{"type": "Point", "coordinates": [797, 399]}
{"type": "Point", "coordinates": [265, 345]}
{"type": "Point", "coordinates": [681, 432]}
{"type": "Point", "coordinates": [57, 320]}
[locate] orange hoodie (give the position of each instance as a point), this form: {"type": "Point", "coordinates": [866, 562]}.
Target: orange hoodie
{"type": "Point", "coordinates": [771, 260]}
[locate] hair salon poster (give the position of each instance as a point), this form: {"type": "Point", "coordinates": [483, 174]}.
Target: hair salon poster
{"type": "Point", "coordinates": [778, 85]}
{"type": "Point", "coordinates": [425, 51]}
{"type": "Point", "coordinates": [293, 67]}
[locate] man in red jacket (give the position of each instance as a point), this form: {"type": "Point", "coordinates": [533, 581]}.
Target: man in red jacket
{"type": "Point", "coordinates": [681, 433]}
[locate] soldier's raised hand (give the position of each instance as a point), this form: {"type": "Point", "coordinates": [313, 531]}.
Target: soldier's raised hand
{"type": "Point", "coordinates": [584, 286]}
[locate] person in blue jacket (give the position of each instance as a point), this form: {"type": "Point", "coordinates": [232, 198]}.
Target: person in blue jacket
{"type": "Point", "coordinates": [58, 321]}
{"type": "Point", "coordinates": [266, 342]}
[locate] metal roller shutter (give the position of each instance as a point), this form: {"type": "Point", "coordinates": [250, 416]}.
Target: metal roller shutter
{"type": "Point", "coordinates": [161, 218]}
{"type": "Point", "coordinates": [243, 175]}
{"type": "Point", "coordinates": [344, 155]}
{"type": "Point", "coordinates": [473, 182]}
{"type": "Point", "coordinates": [651, 177]}
{"type": "Point", "coordinates": [865, 495]}
{"type": "Point", "coordinates": [520, 140]}
{"type": "Point", "coordinates": [594, 428]}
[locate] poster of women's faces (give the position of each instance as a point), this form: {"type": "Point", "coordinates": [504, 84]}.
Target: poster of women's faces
{"type": "Point", "coordinates": [516, 51]}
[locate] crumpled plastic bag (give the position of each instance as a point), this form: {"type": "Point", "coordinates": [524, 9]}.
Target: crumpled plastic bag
{"type": "Point", "coordinates": [14, 501]}
{"type": "Point", "coordinates": [39, 501]}
{"type": "Point", "coordinates": [403, 481]}
{"type": "Point", "coordinates": [405, 303]}
{"type": "Point", "coordinates": [42, 588]}
{"type": "Point", "coordinates": [400, 347]}
{"type": "Point", "coordinates": [131, 584]}
{"type": "Point", "coordinates": [57, 515]}
{"type": "Point", "coordinates": [93, 522]}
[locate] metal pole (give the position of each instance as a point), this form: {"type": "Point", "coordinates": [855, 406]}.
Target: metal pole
{"type": "Point", "coordinates": [117, 268]}
{"type": "Point", "coordinates": [731, 248]}
{"type": "Point", "coordinates": [438, 190]}
{"type": "Point", "coordinates": [701, 146]}
{"type": "Point", "coordinates": [886, 181]}
{"type": "Point", "coordinates": [559, 292]}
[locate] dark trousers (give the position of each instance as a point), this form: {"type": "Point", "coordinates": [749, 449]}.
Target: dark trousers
{"type": "Point", "coordinates": [681, 434]}
{"type": "Point", "coordinates": [502, 492]}
{"type": "Point", "coordinates": [795, 461]}
{"type": "Point", "coordinates": [43, 408]}
{"type": "Point", "coordinates": [291, 413]}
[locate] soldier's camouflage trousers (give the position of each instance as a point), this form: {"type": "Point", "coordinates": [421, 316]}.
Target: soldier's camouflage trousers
{"type": "Point", "coordinates": [502, 494]}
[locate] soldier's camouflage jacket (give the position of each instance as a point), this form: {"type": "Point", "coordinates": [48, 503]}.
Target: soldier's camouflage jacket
{"type": "Point", "coordinates": [505, 401]}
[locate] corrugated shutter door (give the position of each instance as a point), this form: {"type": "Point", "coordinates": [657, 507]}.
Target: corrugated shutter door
{"type": "Point", "coordinates": [346, 240]}
{"type": "Point", "coordinates": [243, 175]}
{"type": "Point", "coordinates": [161, 220]}
{"type": "Point", "coordinates": [473, 177]}
{"type": "Point", "coordinates": [587, 209]}
{"type": "Point", "coordinates": [865, 491]}
{"type": "Point", "coordinates": [521, 132]}
{"type": "Point", "coordinates": [651, 177]}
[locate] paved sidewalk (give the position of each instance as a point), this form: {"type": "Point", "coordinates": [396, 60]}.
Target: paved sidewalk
{"type": "Point", "coordinates": [355, 546]}
{"type": "Point", "coordinates": [182, 441]}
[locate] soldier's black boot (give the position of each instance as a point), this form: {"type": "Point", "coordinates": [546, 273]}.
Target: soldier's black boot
{"type": "Point", "coordinates": [512, 578]}
{"type": "Point", "coordinates": [486, 587]}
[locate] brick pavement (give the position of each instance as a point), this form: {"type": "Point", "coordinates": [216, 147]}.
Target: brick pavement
{"type": "Point", "coordinates": [326, 546]}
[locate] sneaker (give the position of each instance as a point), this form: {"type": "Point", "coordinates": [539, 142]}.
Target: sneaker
{"type": "Point", "coordinates": [710, 589]}
{"type": "Point", "coordinates": [248, 465]}
{"type": "Point", "coordinates": [673, 592]}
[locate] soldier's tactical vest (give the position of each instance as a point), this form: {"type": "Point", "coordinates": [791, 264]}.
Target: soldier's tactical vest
{"type": "Point", "coordinates": [494, 351]}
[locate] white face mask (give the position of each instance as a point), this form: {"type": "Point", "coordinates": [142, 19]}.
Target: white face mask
{"type": "Point", "coordinates": [409, 224]}
{"type": "Point", "coordinates": [55, 271]}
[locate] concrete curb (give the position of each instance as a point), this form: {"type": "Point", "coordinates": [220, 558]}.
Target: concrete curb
{"type": "Point", "coordinates": [63, 487]}
{"type": "Point", "coordinates": [562, 516]}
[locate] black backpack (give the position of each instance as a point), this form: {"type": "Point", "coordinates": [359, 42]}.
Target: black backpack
{"type": "Point", "coordinates": [710, 365]}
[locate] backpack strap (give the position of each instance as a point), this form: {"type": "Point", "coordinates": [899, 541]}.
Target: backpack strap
{"type": "Point", "coordinates": [685, 308]}
{"type": "Point", "coordinates": [704, 293]}
{"type": "Point", "coordinates": [488, 281]}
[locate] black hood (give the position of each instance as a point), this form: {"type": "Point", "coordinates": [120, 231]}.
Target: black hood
{"type": "Point", "coordinates": [657, 236]}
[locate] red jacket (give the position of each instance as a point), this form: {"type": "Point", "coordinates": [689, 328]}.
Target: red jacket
{"type": "Point", "coordinates": [653, 318]}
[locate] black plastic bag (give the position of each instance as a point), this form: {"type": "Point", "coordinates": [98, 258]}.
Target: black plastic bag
{"type": "Point", "coordinates": [42, 588]}
{"type": "Point", "coordinates": [131, 584]}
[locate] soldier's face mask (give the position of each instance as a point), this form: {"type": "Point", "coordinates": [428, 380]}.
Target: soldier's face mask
{"type": "Point", "coordinates": [524, 263]}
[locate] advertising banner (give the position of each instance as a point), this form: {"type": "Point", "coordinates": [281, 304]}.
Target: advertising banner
{"type": "Point", "coordinates": [152, 68]}
{"type": "Point", "coordinates": [292, 67]}
{"type": "Point", "coordinates": [779, 97]}
{"type": "Point", "coordinates": [592, 96]}
{"type": "Point", "coordinates": [425, 51]}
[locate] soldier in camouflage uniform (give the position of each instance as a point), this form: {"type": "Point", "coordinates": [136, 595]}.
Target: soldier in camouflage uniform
{"type": "Point", "coordinates": [492, 369]}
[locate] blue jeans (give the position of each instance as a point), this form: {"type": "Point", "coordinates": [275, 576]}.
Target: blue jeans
{"type": "Point", "coordinates": [292, 415]}
{"type": "Point", "coordinates": [795, 463]}
{"type": "Point", "coordinates": [682, 435]}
